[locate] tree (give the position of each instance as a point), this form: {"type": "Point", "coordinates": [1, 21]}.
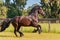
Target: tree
{"type": "Point", "coordinates": [51, 8]}
{"type": "Point", "coordinates": [1, 4]}
{"type": "Point", "coordinates": [24, 12]}
{"type": "Point", "coordinates": [15, 7]}
{"type": "Point", "coordinates": [3, 9]}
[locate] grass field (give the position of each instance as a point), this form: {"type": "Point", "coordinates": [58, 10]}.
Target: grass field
{"type": "Point", "coordinates": [30, 36]}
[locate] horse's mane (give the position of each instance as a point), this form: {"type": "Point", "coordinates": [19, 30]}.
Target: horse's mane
{"type": "Point", "coordinates": [33, 9]}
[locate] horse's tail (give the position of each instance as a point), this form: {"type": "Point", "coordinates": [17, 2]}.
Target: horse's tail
{"type": "Point", "coordinates": [5, 24]}
{"type": "Point", "coordinates": [8, 21]}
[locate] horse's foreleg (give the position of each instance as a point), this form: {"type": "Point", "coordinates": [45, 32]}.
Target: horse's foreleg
{"type": "Point", "coordinates": [39, 29]}
{"type": "Point", "coordinates": [35, 30]}
{"type": "Point", "coordinates": [15, 28]}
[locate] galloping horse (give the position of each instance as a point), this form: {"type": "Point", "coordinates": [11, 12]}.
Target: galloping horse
{"type": "Point", "coordinates": [29, 20]}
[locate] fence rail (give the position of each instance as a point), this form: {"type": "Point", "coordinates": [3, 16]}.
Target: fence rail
{"type": "Point", "coordinates": [42, 19]}
{"type": "Point", "coordinates": [48, 19]}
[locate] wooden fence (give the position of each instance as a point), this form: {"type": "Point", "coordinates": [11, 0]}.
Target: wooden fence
{"type": "Point", "coordinates": [49, 20]}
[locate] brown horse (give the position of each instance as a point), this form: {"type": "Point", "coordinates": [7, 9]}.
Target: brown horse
{"type": "Point", "coordinates": [30, 20]}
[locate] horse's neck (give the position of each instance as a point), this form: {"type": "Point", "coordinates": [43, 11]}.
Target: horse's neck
{"type": "Point", "coordinates": [34, 16]}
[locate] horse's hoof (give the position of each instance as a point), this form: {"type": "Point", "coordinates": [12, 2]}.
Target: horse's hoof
{"type": "Point", "coordinates": [34, 31]}
{"type": "Point", "coordinates": [39, 32]}
{"type": "Point", "coordinates": [21, 35]}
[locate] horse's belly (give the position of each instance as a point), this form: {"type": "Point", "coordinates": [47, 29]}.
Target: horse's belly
{"type": "Point", "coordinates": [25, 22]}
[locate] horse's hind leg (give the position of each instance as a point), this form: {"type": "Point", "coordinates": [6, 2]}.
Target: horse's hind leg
{"type": "Point", "coordinates": [15, 28]}
{"type": "Point", "coordinates": [21, 34]}
{"type": "Point", "coordinates": [15, 32]}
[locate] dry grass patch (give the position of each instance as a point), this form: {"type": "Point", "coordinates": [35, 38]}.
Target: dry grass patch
{"type": "Point", "coordinates": [30, 36]}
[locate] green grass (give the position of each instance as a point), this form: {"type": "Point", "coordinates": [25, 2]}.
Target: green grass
{"type": "Point", "coordinates": [55, 28]}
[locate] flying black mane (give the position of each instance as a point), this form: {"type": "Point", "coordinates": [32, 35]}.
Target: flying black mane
{"type": "Point", "coordinates": [34, 9]}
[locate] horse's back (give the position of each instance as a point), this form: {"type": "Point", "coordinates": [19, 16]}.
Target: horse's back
{"type": "Point", "coordinates": [15, 19]}
{"type": "Point", "coordinates": [22, 20]}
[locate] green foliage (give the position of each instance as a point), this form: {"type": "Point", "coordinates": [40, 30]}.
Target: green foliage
{"type": "Point", "coordinates": [3, 10]}
{"type": "Point", "coordinates": [29, 9]}
{"type": "Point", "coordinates": [1, 2]}
{"type": "Point", "coordinates": [12, 13]}
{"type": "Point", "coordinates": [15, 8]}
{"type": "Point", "coordinates": [51, 8]}
{"type": "Point", "coordinates": [24, 12]}
{"type": "Point", "coordinates": [11, 9]}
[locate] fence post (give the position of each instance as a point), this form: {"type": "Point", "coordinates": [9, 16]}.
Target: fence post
{"type": "Point", "coordinates": [49, 26]}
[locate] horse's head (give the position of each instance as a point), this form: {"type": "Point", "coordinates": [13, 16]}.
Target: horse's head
{"type": "Point", "coordinates": [40, 10]}
{"type": "Point", "coordinates": [4, 25]}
